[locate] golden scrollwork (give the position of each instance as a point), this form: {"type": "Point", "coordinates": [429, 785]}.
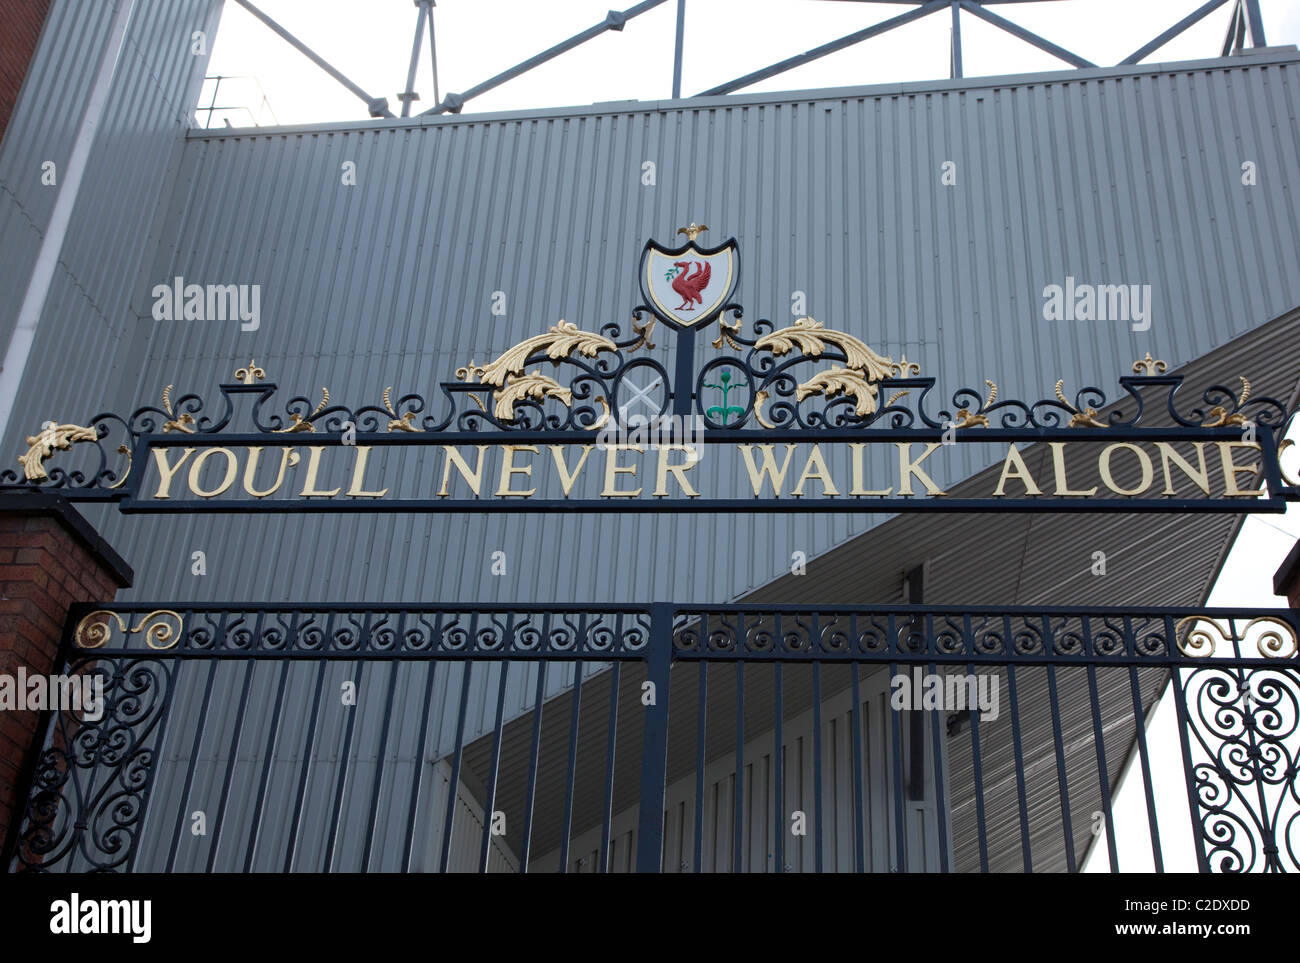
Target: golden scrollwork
{"type": "Point", "coordinates": [694, 231]}
{"type": "Point", "coordinates": [1275, 639]}
{"type": "Point", "coordinates": [1152, 366]}
{"type": "Point", "coordinates": [1087, 418]}
{"type": "Point", "coordinates": [51, 438]}
{"type": "Point", "coordinates": [162, 629]}
{"type": "Point", "coordinates": [970, 419]}
{"type": "Point", "coordinates": [297, 423]}
{"type": "Point", "coordinates": [405, 422]}
{"type": "Point", "coordinates": [1219, 416]}
{"type": "Point", "coordinates": [250, 374]}
{"type": "Point", "coordinates": [183, 423]}
{"type": "Point", "coordinates": [857, 378]}
{"type": "Point", "coordinates": [902, 368]}
{"type": "Point", "coordinates": [644, 330]}
{"type": "Point", "coordinates": [725, 333]}
{"type": "Point", "coordinates": [506, 373]}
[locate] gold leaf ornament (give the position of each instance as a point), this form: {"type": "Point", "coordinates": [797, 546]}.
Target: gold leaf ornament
{"type": "Point", "coordinates": [50, 439]}
{"type": "Point", "coordinates": [841, 380]}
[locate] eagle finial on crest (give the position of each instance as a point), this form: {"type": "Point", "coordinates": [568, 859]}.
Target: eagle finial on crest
{"type": "Point", "coordinates": [693, 231]}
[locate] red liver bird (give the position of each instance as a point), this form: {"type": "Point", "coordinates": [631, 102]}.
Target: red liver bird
{"type": "Point", "coordinates": [690, 285]}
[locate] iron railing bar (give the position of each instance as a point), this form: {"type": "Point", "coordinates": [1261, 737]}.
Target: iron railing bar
{"type": "Point", "coordinates": [1148, 787]}
{"type": "Point", "coordinates": [702, 688]}
{"type": "Point", "coordinates": [191, 769]}
{"type": "Point", "coordinates": [534, 751]}
{"type": "Point", "coordinates": [817, 763]}
{"type": "Point", "coordinates": [938, 722]}
{"type": "Point", "coordinates": [778, 751]}
{"type": "Point", "coordinates": [345, 764]}
{"type": "Point", "coordinates": [1103, 777]}
{"type": "Point", "coordinates": [273, 737]}
{"type": "Point", "coordinates": [896, 751]}
{"type": "Point", "coordinates": [240, 715]}
{"type": "Point", "coordinates": [571, 774]}
{"type": "Point", "coordinates": [607, 806]}
{"type": "Point", "coordinates": [978, 771]}
{"type": "Point", "coordinates": [490, 799]}
{"type": "Point", "coordinates": [453, 783]}
{"type": "Point", "coordinates": [738, 797]}
{"type": "Point", "coordinates": [307, 754]}
{"type": "Point", "coordinates": [1062, 773]}
{"type": "Point", "coordinates": [417, 777]}
{"type": "Point", "coordinates": [1018, 749]}
{"type": "Point", "coordinates": [383, 749]}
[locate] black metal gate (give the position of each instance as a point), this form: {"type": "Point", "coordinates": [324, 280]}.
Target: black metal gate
{"type": "Point", "coordinates": [660, 736]}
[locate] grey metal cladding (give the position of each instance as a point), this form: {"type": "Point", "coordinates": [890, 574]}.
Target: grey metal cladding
{"type": "Point", "coordinates": [127, 180]}
{"type": "Point", "coordinates": [1108, 176]}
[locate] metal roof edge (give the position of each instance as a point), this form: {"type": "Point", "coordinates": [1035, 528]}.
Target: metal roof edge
{"type": "Point", "coordinates": [1263, 57]}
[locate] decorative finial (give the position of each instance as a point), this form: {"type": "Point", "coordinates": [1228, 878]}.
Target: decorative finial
{"type": "Point", "coordinates": [1152, 365]}
{"type": "Point", "coordinates": [694, 231]}
{"type": "Point", "coordinates": [251, 374]}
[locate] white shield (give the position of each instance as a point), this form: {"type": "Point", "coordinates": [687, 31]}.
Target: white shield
{"type": "Point", "coordinates": [687, 286]}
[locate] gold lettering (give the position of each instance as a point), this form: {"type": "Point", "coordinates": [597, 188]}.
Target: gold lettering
{"type": "Point", "coordinates": [857, 447]}
{"type": "Point", "coordinates": [1200, 478]}
{"type": "Point", "coordinates": [613, 469]}
{"type": "Point", "coordinates": [678, 471]}
{"type": "Point", "coordinates": [358, 475]}
{"type": "Point", "coordinates": [196, 469]}
{"type": "Point", "coordinates": [509, 469]}
{"type": "Point", "coordinates": [908, 467]}
{"type": "Point", "coordinates": [287, 456]}
{"type": "Point", "coordinates": [1062, 481]}
{"type": "Point", "coordinates": [309, 489]}
{"type": "Point", "coordinates": [1017, 461]}
{"type": "Point", "coordinates": [822, 474]}
{"type": "Point", "coordinates": [567, 480]}
{"type": "Point", "coordinates": [769, 469]}
{"type": "Point", "coordinates": [1103, 465]}
{"type": "Point", "coordinates": [453, 456]}
{"type": "Point", "coordinates": [1231, 470]}
{"type": "Point", "coordinates": [167, 472]}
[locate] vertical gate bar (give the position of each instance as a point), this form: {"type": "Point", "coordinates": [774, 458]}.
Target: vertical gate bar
{"type": "Point", "coordinates": [817, 761]}
{"type": "Point", "coordinates": [1103, 778]}
{"type": "Point", "coordinates": [607, 806]}
{"type": "Point", "coordinates": [1017, 746]}
{"type": "Point", "coordinates": [307, 750]}
{"type": "Point", "coordinates": [163, 729]}
{"type": "Point", "coordinates": [896, 745]}
{"type": "Point", "coordinates": [379, 757]}
{"type": "Point", "coordinates": [490, 799]}
{"type": "Point", "coordinates": [453, 784]}
{"type": "Point", "coordinates": [981, 824]}
{"type": "Point", "coordinates": [241, 714]}
{"type": "Point", "coordinates": [654, 751]}
{"type": "Point", "coordinates": [738, 798]}
{"type": "Point", "coordinates": [1062, 774]}
{"type": "Point", "coordinates": [533, 752]}
{"type": "Point", "coordinates": [937, 722]}
{"type": "Point", "coordinates": [194, 755]}
{"type": "Point", "coordinates": [778, 808]}
{"type": "Point", "coordinates": [702, 688]}
{"type": "Point", "coordinates": [344, 765]}
{"type": "Point", "coordinates": [1184, 737]}
{"type": "Point", "coordinates": [417, 777]}
{"type": "Point", "coordinates": [855, 721]}
{"type": "Point", "coordinates": [273, 737]}
{"type": "Point", "coordinates": [1148, 788]}
{"type": "Point", "coordinates": [572, 770]}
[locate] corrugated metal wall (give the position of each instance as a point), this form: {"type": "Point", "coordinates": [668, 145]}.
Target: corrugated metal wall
{"type": "Point", "coordinates": [1109, 176]}
{"type": "Point", "coordinates": [128, 179]}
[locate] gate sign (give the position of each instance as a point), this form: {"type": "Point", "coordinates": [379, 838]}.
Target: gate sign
{"type": "Point", "coordinates": [801, 418]}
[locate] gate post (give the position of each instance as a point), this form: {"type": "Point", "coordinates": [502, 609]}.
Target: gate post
{"type": "Point", "coordinates": [50, 559]}
{"type": "Point", "coordinates": [654, 745]}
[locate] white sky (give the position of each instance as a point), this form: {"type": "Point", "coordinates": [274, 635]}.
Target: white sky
{"type": "Point", "coordinates": [370, 42]}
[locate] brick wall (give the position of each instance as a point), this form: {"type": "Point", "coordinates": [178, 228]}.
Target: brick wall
{"type": "Point", "coordinates": [20, 28]}
{"type": "Point", "coordinates": [49, 559]}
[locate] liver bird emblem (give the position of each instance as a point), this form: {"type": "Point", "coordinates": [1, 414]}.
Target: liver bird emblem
{"type": "Point", "coordinates": [691, 286]}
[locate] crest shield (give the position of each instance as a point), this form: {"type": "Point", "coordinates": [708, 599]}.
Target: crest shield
{"type": "Point", "coordinates": [687, 286]}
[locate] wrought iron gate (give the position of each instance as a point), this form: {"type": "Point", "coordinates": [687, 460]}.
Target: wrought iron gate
{"type": "Point", "coordinates": [662, 736]}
